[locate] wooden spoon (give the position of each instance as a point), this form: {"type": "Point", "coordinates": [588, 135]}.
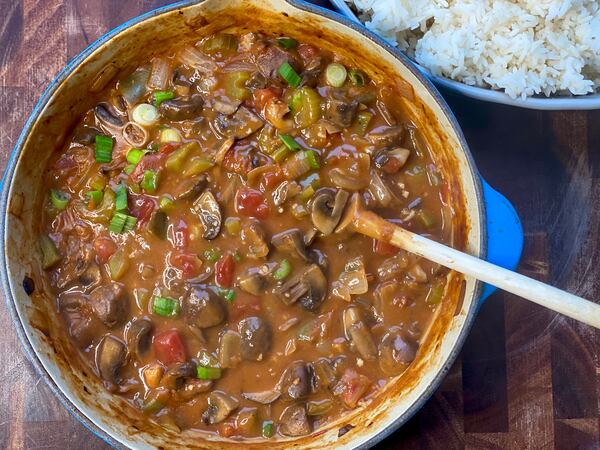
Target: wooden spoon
{"type": "Point", "coordinates": [357, 219]}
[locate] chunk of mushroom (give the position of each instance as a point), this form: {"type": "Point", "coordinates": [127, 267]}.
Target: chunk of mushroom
{"type": "Point", "coordinates": [253, 237]}
{"type": "Point", "coordinates": [290, 242]}
{"type": "Point", "coordinates": [220, 406]}
{"type": "Point", "coordinates": [107, 117]}
{"type": "Point", "coordinates": [110, 303]}
{"type": "Point", "coordinates": [240, 125]}
{"type": "Point", "coordinates": [294, 421]}
{"type": "Point", "coordinates": [295, 382]}
{"type": "Point", "coordinates": [308, 287]}
{"type": "Point", "coordinates": [230, 353]}
{"type": "Point", "coordinates": [253, 283]}
{"type": "Point", "coordinates": [182, 108]}
{"type": "Point", "coordinates": [387, 136]}
{"type": "Point", "coordinates": [327, 208]}
{"type": "Point", "coordinates": [203, 308]}
{"type": "Point", "coordinates": [358, 333]}
{"type": "Point", "coordinates": [396, 352]}
{"type": "Point", "coordinates": [190, 188]}
{"type": "Point", "coordinates": [82, 325]}
{"type": "Point", "coordinates": [263, 397]}
{"type": "Point", "coordinates": [207, 209]}
{"type": "Point", "coordinates": [139, 336]}
{"type": "Point", "coordinates": [175, 377]}
{"type": "Point", "coordinates": [341, 113]}
{"type": "Point", "coordinates": [256, 338]}
{"type": "Point", "coordinates": [110, 357]}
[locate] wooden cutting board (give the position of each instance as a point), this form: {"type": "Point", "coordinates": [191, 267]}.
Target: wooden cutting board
{"type": "Point", "coordinates": [526, 378]}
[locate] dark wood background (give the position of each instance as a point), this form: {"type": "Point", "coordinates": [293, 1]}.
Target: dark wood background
{"type": "Point", "coordinates": [526, 377]}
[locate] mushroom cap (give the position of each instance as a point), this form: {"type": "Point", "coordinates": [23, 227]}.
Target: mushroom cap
{"type": "Point", "coordinates": [209, 213]}
{"type": "Point", "coordinates": [327, 209]}
{"type": "Point", "coordinates": [110, 357]}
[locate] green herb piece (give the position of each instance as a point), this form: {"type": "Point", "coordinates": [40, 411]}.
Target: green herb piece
{"type": "Point", "coordinates": [94, 198]}
{"type": "Point", "coordinates": [289, 142]}
{"type": "Point", "coordinates": [287, 42]}
{"type": "Point", "coordinates": [212, 254]}
{"type": "Point", "coordinates": [59, 199]}
{"type": "Point", "coordinates": [149, 181]}
{"type": "Point", "coordinates": [311, 156]}
{"type": "Point", "coordinates": [135, 155]}
{"type": "Point", "coordinates": [267, 429]}
{"type": "Point", "coordinates": [165, 306]}
{"type": "Point", "coordinates": [283, 271]}
{"type": "Point", "coordinates": [130, 223]}
{"type": "Point", "coordinates": [280, 154]}
{"type": "Point", "coordinates": [357, 77]}
{"type": "Point", "coordinates": [104, 148]}
{"type": "Point", "coordinates": [208, 373]}
{"type": "Point", "coordinates": [288, 73]}
{"type": "Point", "coordinates": [117, 222]}
{"type": "Point", "coordinates": [161, 96]}
{"type": "Point", "coordinates": [121, 198]}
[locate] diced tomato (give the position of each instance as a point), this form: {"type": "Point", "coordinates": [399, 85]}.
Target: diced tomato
{"type": "Point", "coordinates": [226, 429]}
{"type": "Point", "coordinates": [104, 247]}
{"type": "Point", "coordinates": [384, 249]}
{"type": "Point", "coordinates": [271, 179]}
{"type": "Point", "coordinates": [238, 160]}
{"type": "Point", "coordinates": [189, 264]}
{"type": "Point", "coordinates": [141, 206]}
{"type": "Point", "coordinates": [169, 348]}
{"type": "Point", "coordinates": [244, 306]}
{"type": "Point", "coordinates": [169, 147]}
{"type": "Point", "coordinates": [355, 386]}
{"type": "Point", "coordinates": [251, 203]}
{"type": "Point", "coordinates": [154, 161]}
{"type": "Point", "coordinates": [224, 268]}
{"type": "Point", "coordinates": [179, 234]}
{"type": "Point", "coordinates": [264, 96]}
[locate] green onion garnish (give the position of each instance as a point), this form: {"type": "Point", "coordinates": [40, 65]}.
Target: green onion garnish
{"type": "Point", "coordinates": [129, 168]}
{"type": "Point", "coordinates": [161, 96]}
{"type": "Point", "coordinates": [208, 373]}
{"type": "Point", "coordinates": [289, 142]}
{"type": "Point", "coordinates": [288, 73]}
{"type": "Point", "coordinates": [135, 155]}
{"type": "Point", "coordinates": [165, 306]}
{"type": "Point", "coordinates": [267, 429]}
{"type": "Point", "coordinates": [287, 42]}
{"type": "Point", "coordinates": [284, 269]}
{"type": "Point", "coordinates": [130, 223]}
{"type": "Point", "coordinates": [149, 181]}
{"type": "Point", "coordinates": [357, 77]}
{"type": "Point", "coordinates": [311, 156]}
{"type": "Point", "coordinates": [104, 147]}
{"type": "Point", "coordinates": [59, 199]}
{"type": "Point", "coordinates": [121, 198]}
{"type": "Point", "coordinates": [166, 204]}
{"type": "Point", "coordinates": [94, 198]}
{"type": "Point", "coordinates": [335, 75]}
{"type": "Point", "coordinates": [212, 254]}
{"type": "Point", "coordinates": [117, 222]}
{"type": "Point", "coordinates": [280, 154]}
{"type": "Point", "coordinates": [227, 294]}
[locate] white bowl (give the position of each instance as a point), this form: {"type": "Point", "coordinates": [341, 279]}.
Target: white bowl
{"type": "Point", "coordinates": [584, 102]}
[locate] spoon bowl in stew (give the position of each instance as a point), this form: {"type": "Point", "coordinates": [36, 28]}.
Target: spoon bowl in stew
{"type": "Point", "coordinates": [167, 220]}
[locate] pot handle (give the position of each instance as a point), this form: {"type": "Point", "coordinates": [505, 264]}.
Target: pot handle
{"type": "Point", "coordinates": [504, 233]}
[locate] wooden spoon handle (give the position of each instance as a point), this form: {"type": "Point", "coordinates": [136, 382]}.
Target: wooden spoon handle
{"type": "Point", "coordinates": [555, 299]}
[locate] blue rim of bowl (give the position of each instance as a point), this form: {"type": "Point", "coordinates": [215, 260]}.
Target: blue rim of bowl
{"type": "Point", "coordinates": [75, 62]}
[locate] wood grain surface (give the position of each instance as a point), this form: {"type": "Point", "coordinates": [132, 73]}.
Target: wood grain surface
{"type": "Point", "coordinates": [526, 378]}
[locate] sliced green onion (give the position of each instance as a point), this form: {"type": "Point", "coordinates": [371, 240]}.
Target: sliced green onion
{"type": "Point", "coordinates": [357, 77]}
{"type": "Point", "coordinates": [117, 222]}
{"type": "Point", "coordinates": [50, 255]}
{"type": "Point", "coordinates": [227, 294]}
{"type": "Point", "coordinates": [307, 193]}
{"type": "Point", "coordinates": [94, 198]}
{"type": "Point", "coordinates": [121, 198]}
{"type": "Point", "coordinates": [104, 148]}
{"type": "Point", "coordinates": [166, 204]}
{"type": "Point", "coordinates": [288, 73]}
{"type": "Point", "coordinates": [311, 156]}
{"type": "Point", "coordinates": [287, 42]}
{"type": "Point", "coordinates": [135, 155]}
{"type": "Point", "coordinates": [129, 168]}
{"type": "Point", "coordinates": [59, 199]}
{"type": "Point", "coordinates": [335, 75]}
{"type": "Point", "coordinates": [169, 135]}
{"type": "Point", "coordinates": [267, 429]}
{"type": "Point", "coordinates": [161, 96]}
{"type": "Point", "coordinates": [280, 154]}
{"type": "Point", "coordinates": [362, 122]}
{"type": "Point", "coordinates": [145, 114]}
{"type": "Point", "coordinates": [130, 223]}
{"type": "Point", "coordinates": [289, 142]}
{"type": "Point", "coordinates": [237, 255]}
{"type": "Point", "coordinates": [284, 269]}
{"type": "Point", "coordinates": [98, 182]}
{"type": "Point", "coordinates": [208, 373]}
{"type": "Point", "coordinates": [149, 181]}
{"type": "Point", "coordinates": [212, 254]}
{"type": "Point", "coordinates": [165, 306]}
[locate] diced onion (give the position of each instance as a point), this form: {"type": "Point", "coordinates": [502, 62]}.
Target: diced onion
{"type": "Point", "coordinates": [159, 76]}
{"type": "Point", "coordinates": [169, 135]}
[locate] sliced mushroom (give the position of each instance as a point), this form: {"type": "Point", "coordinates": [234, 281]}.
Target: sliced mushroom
{"type": "Point", "coordinates": [295, 382]}
{"type": "Point", "coordinates": [91, 277]}
{"type": "Point", "coordinates": [110, 357]}
{"type": "Point", "coordinates": [290, 242]}
{"type": "Point", "coordinates": [240, 125]}
{"type": "Point", "coordinates": [159, 224]}
{"type": "Point", "coordinates": [254, 238]}
{"type": "Point", "coordinates": [324, 373]}
{"type": "Point", "coordinates": [341, 113]}
{"type": "Point", "coordinates": [294, 421]}
{"type": "Point", "coordinates": [182, 108]}
{"type": "Point", "coordinates": [135, 134]}
{"type": "Point", "coordinates": [327, 208]}
{"type": "Point", "coordinates": [107, 117]}
{"type": "Point", "coordinates": [139, 336]}
{"type": "Point", "coordinates": [82, 325]}
{"type": "Point", "coordinates": [190, 188]}
{"type": "Point", "coordinates": [386, 137]}
{"type": "Point", "coordinates": [86, 135]}
{"type": "Point", "coordinates": [253, 283]}
{"type": "Point", "coordinates": [396, 352]}
{"type": "Point", "coordinates": [263, 397]}
{"type": "Point", "coordinates": [192, 388]}
{"type": "Point", "coordinates": [226, 105]}
{"type": "Point", "coordinates": [110, 303]}
{"type": "Point", "coordinates": [220, 406]}
{"type": "Point", "coordinates": [230, 349]}
{"type": "Point", "coordinates": [309, 288]}
{"type": "Point", "coordinates": [397, 156]}
{"type": "Point", "coordinates": [256, 338]}
{"type": "Point", "coordinates": [359, 334]}
{"type": "Point", "coordinates": [207, 209]}
{"type": "Point", "coordinates": [175, 377]}
{"type": "Point", "coordinates": [203, 309]}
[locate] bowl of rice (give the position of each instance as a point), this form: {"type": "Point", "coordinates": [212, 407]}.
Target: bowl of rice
{"type": "Point", "coordinates": [538, 54]}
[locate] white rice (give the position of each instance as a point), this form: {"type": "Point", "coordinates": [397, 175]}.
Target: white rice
{"type": "Point", "coordinates": [523, 47]}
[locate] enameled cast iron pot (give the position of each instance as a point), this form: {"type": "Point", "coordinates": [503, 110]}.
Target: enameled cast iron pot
{"type": "Point", "coordinates": [487, 224]}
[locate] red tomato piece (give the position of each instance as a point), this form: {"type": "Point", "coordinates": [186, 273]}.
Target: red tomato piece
{"type": "Point", "coordinates": [189, 264]}
{"type": "Point", "coordinates": [169, 147]}
{"type": "Point", "coordinates": [224, 268]}
{"type": "Point", "coordinates": [251, 203]}
{"type": "Point", "coordinates": [384, 249]}
{"type": "Point", "coordinates": [264, 96]}
{"type": "Point", "coordinates": [154, 161]}
{"type": "Point", "coordinates": [169, 348]}
{"type": "Point", "coordinates": [244, 306]}
{"type": "Point", "coordinates": [141, 206]}
{"type": "Point", "coordinates": [238, 160]}
{"type": "Point", "coordinates": [355, 386]}
{"type": "Point", "coordinates": [271, 179]}
{"type": "Point", "coordinates": [104, 247]}
{"type": "Point", "coordinates": [226, 429]}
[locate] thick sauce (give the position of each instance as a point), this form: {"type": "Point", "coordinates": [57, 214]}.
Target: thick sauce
{"type": "Point", "coordinates": [190, 236]}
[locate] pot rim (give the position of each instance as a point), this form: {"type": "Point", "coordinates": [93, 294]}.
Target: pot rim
{"type": "Point", "coordinates": [7, 179]}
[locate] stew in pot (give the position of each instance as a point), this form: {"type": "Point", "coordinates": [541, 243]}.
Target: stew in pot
{"type": "Point", "coordinates": [190, 235]}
